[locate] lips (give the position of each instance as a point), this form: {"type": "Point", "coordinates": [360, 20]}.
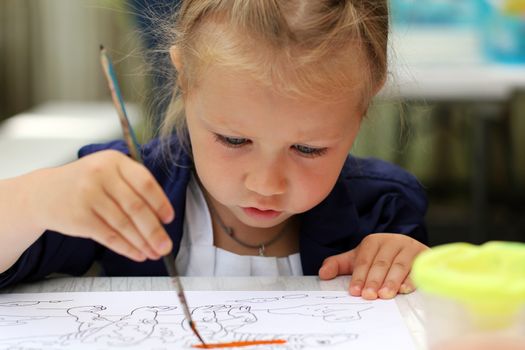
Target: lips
{"type": "Point", "coordinates": [265, 214]}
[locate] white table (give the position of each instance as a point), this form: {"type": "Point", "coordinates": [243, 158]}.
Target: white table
{"type": "Point", "coordinates": [52, 133]}
{"type": "Point", "coordinates": [410, 305]}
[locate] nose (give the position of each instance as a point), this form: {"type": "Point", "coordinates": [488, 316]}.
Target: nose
{"type": "Point", "coordinates": [266, 178]}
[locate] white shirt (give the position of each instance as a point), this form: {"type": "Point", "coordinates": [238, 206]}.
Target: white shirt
{"type": "Point", "coordinates": [199, 257]}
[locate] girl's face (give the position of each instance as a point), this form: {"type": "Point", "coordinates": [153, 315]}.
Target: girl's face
{"type": "Point", "coordinates": [262, 155]}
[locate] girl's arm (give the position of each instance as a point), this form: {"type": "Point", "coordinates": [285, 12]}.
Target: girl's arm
{"type": "Point", "coordinates": [18, 225]}
{"type": "Point", "coordinates": [106, 197]}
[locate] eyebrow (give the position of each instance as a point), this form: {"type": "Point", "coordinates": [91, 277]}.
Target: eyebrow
{"type": "Point", "coordinates": [307, 140]}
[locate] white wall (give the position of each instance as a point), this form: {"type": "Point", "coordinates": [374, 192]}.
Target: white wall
{"type": "Point", "coordinates": [49, 50]}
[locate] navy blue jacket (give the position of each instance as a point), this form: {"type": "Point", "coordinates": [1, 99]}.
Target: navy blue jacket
{"type": "Point", "coordinates": [370, 196]}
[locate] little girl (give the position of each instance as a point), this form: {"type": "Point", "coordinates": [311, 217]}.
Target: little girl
{"type": "Point", "coordinates": [269, 98]}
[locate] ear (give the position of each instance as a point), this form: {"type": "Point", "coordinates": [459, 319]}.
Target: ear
{"type": "Point", "coordinates": [175, 58]}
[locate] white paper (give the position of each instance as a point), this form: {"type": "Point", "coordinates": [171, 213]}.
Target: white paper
{"type": "Point", "coordinates": [154, 320]}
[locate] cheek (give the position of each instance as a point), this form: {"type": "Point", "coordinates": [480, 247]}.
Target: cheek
{"type": "Point", "coordinates": [312, 187]}
{"type": "Point", "coordinates": [217, 173]}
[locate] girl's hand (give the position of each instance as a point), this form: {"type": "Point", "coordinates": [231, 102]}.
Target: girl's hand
{"type": "Point", "coordinates": [379, 265]}
{"type": "Point", "coordinates": [109, 198]}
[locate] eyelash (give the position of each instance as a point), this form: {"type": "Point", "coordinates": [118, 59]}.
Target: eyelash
{"type": "Point", "coordinates": [231, 142]}
{"type": "Point", "coordinates": [309, 152]}
{"type": "Point", "coordinates": [238, 142]}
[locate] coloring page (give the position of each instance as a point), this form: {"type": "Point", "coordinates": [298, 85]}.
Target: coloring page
{"type": "Point", "coordinates": [154, 320]}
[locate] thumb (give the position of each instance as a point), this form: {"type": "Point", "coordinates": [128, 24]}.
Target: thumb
{"type": "Point", "coordinates": [336, 265]}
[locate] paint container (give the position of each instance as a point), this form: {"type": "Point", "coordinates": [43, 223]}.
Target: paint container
{"type": "Point", "coordinates": [473, 296]}
{"type": "Point", "coordinates": [502, 30]}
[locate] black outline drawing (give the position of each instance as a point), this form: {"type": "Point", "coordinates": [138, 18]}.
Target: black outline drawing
{"type": "Point", "coordinates": [31, 302]}
{"type": "Point", "coordinates": [165, 327]}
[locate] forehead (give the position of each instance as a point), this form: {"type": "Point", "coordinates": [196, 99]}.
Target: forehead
{"type": "Point", "coordinates": [242, 104]}
{"type": "Point", "coordinates": [220, 82]}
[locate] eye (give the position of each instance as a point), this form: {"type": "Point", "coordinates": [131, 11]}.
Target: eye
{"type": "Point", "coordinates": [232, 142]}
{"type": "Point", "coordinates": [309, 152]}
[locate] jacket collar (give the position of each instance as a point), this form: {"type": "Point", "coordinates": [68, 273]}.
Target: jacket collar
{"type": "Point", "coordinates": [324, 228]}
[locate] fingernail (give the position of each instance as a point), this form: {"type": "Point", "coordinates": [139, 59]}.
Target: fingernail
{"type": "Point", "coordinates": [386, 293]}
{"type": "Point", "coordinates": [356, 289]}
{"type": "Point", "coordinates": [164, 247]}
{"type": "Point", "coordinates": [404, 289]}
{"type": "Point", "coordinates": [168, 218]}
{"type": "Point", "coordinates": [369, 293]}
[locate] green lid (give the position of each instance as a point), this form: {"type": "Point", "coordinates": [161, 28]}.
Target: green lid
{"type": "Point", "coordinates": [489, 279]}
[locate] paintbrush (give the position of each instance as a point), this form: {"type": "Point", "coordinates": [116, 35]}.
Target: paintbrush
{"type": "Point", "coordinates": [133, 146]}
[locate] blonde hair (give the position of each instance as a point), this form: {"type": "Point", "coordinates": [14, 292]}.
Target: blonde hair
{"type": "Point", "coordinates": [299, 47]}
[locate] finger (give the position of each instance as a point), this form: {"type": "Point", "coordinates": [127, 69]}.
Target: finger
{"type": "Point", "coordinates": [141, 180]}
{"type": "Point", "coordinates": [397, 274]}
{"type": "Point", "coordinates": [108, 237]}
{"type": "Point", "coordinates": [363, 260]}
{"type": "Point", "coordinates": [379, 270]}
{"type": "Point", "coordinates": [407, 286]}
{"type": "Point", "coordinates": [142, 215]}
{"type": "Point", "coordinates": [112, 214]}
{"type": "Point", "coordinates": [336, 265]}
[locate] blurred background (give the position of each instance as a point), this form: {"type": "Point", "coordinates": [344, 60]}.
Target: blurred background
{"type": "Point", "coordinates": [453, 110]}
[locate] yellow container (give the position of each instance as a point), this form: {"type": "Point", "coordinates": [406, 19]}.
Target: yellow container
{"type": "Point", "coordinates": [514, 7]}
{"type": "Point", "coordinates": [473, 295]}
